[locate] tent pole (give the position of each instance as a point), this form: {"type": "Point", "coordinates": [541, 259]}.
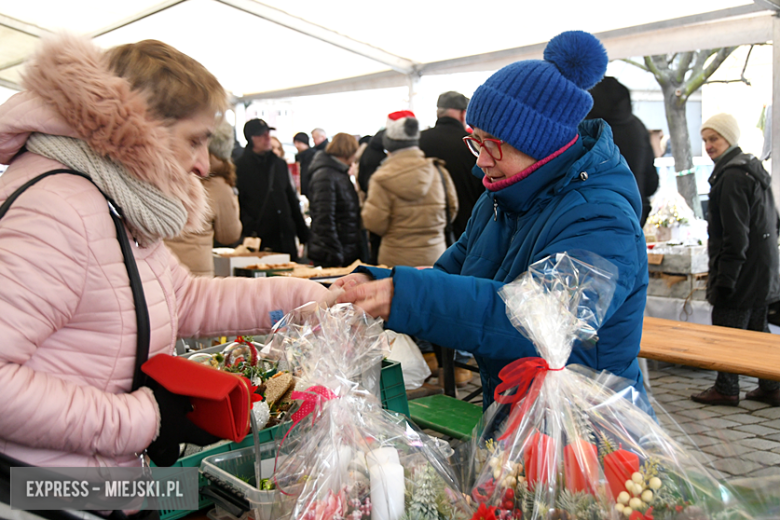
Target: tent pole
{"type": "Point", "coordinates": [413, 81]}
{"type": "Point", "coordinates": [776, 109]}
{"type": "Point", "coordinates": [240, 110]}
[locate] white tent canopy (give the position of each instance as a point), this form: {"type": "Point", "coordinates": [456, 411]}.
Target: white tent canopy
{"type": "Point", "coordinates": [277, 49]}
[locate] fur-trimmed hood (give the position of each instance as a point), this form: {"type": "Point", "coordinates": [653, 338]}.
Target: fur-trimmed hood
{"type": "Point", "coordinates": [72, 92]}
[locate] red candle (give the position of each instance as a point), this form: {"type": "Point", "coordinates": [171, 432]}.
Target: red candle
{"type": "Point", "coordinates": [581, 466]}
{"type": "Point", "coordinates": [618, 467]}
{"type": "Point", "coordinates": [539, 459]}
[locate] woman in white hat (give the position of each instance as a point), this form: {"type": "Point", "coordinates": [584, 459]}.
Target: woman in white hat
{"type": "Point", "coordinates": [742, 224]}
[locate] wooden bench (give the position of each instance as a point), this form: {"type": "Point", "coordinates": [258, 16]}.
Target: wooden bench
{"type": "Point", "coordinates": [711, 347]}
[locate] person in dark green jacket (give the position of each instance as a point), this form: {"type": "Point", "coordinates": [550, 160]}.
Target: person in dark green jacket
{"type": "Point", "coordinates": [553, 184]}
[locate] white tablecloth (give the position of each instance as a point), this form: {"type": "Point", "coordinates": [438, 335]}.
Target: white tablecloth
{"type": "Point", "coordinates": [692, 311]}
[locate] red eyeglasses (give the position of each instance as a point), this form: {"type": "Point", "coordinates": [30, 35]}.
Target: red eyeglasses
{"type": "Point", "coordinates": [491, 146]}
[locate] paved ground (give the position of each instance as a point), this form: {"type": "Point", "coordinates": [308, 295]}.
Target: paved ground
{"type": "Point", "coordinates": [741, 441]}
{"type": "Point", "coordinates": [733, 442]}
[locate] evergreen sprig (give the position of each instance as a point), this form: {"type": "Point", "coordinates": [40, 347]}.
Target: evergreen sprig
{"type": "Point", "coordinates": [423, 499]}
{"type": "Point", "coordinates": [605, 445]}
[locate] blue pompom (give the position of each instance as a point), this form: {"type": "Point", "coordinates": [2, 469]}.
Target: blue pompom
{"type": "Point", "coordinates": [579, 57]}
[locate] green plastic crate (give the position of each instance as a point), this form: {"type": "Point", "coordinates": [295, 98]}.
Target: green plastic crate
{"type": "Point", "coordinates": [193, 461]}
{"type": "Point", "coordinates": [266, 435]}
{"type": "Point", "coordinates": [392, 388]}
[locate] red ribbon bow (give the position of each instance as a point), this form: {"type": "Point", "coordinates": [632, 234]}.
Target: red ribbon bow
{"type": "Point", "coordinates": [527, 375]}
{"type": "Point", "coordinates": [314, 397]}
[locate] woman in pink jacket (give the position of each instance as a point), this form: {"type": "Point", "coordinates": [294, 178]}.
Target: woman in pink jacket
{"type": "Point", "coordinates": [136, 119]}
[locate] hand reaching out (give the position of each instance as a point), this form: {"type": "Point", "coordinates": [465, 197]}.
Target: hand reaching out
{"type": "Point", "coordinates": [375, 298]}
{"type": "Point", "coordinates": [350, 280]}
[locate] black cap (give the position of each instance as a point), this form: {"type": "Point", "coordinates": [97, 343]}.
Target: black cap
{"type": "Point", "coordinates": [452, 99]}
{"type": "Point", "coordinates": [256, 127]}
{"type": "Point", "coordinates": [301, 137]}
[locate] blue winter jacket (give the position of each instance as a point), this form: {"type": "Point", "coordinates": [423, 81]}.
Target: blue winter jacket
{"type": "Point", "coordinates": [586, 198]}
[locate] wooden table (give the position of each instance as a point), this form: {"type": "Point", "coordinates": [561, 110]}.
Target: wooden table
{"type": "Point", "coordinates": [725, 349]}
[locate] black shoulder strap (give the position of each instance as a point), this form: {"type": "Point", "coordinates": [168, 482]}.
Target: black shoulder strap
{"type": "Point", "coordinates": [141, 311]}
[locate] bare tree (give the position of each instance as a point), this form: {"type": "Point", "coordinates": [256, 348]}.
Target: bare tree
{"type": "Point", "coordinates": [680, 75]}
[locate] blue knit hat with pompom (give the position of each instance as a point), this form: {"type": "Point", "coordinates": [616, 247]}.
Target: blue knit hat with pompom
{"type": "Point", "coordinates": [536, 105]}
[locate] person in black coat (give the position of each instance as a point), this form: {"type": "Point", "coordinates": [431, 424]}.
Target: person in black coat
{"type": "Point", "coordinates": [370, 160]}
{"type": "Point", "coordinates": [612, 103]}
{"type": "Point", "coordinates": [303, 158]}
{"type": "Point", "coordinates": [269, 205]}
{"type": "Point", "coordinates": [445, 141]}
{"type": "Point", "coordinates": [336, 237]}
{"type": "Point", "coordinates": [742, 224]}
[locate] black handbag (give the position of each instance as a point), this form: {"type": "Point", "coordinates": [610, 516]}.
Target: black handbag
{"type": "Point", "coordinates": [449, 234]}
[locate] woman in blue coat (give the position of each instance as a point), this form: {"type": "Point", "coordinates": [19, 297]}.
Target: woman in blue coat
{"type": "Point", "coordinates": [553, 183]}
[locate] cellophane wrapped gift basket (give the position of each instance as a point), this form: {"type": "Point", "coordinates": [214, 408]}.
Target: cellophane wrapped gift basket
{"type": "Point", "coordinates": [565, 443]}
{"type": "Point", "coordinates": [347, 458]}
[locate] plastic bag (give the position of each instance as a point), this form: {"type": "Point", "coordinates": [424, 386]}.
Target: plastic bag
{"type": "Point", "coordinates": [563, 442]}
{"type": "Point", "coordinates": [299, 337]}
{"type": "Point", "coordinates": [405, 351]}
{"type": "Point", "coordinates": [347, 458]}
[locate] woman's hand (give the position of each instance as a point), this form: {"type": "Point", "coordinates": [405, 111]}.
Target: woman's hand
{"type": "Point", "coordinates": [375, 298]}
{"type": "Point", "coordinates": [350, 280]}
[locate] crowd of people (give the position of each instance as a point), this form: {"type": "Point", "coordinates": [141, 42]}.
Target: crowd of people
{"type": "Point", "coordinates": [453, 213]}
{"type": "Point", "coordinates": [397, 198]}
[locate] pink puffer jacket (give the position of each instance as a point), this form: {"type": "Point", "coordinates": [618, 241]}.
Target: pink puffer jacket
{"type": "Point", "coordinates": [67, 318]}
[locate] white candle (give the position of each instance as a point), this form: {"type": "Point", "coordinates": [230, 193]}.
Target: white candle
{"type": "Point", "coordinates": [344, 458]}
{"type": "Point", "coordinates": [358, 463]}
{"type": "Point", "coordinates": [387, 491]}
{"type": "Point", "coordinates": [382, 456]}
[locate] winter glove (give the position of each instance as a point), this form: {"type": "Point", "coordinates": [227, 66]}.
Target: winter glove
{"type": "Point", "coordinates": [175, 427]}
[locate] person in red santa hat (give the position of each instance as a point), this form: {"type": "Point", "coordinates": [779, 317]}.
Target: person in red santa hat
{"type": "Point", "coordinates": [409, 198]}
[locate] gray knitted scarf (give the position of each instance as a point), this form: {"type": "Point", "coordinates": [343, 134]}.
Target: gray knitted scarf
{"type": "Point", "coordinates": [149, 213]}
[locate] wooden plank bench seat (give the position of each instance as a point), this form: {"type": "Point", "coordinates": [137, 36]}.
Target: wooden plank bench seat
{"type": "Point", "coordinates": [711, 347]}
